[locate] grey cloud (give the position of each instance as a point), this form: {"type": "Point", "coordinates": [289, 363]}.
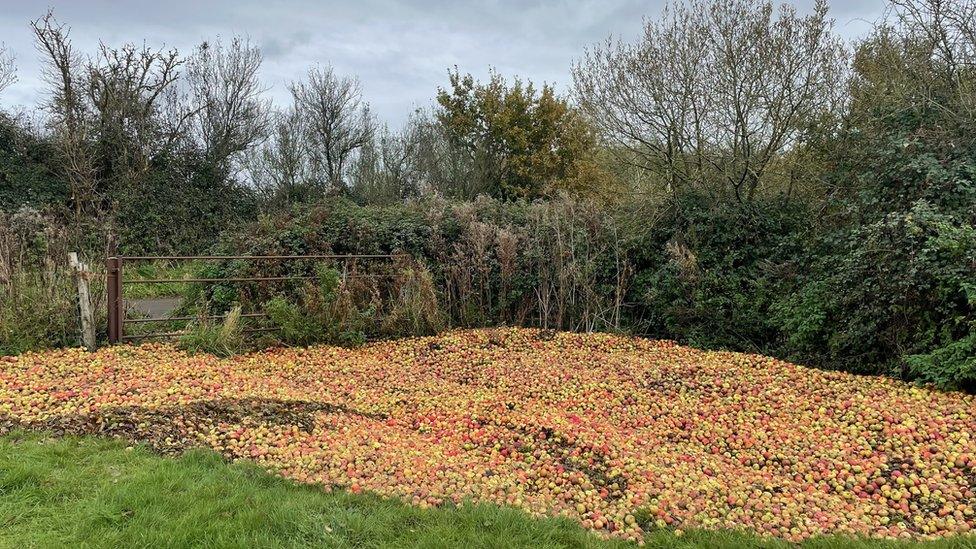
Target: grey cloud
{"type": "Point", "coordinates": [400, 50]}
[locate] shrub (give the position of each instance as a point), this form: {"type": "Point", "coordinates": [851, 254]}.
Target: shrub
{"type": "Point", "coordinates": [890, 289]}
{"type": "Point", "coordinates": [327, 313]}
{"type": "Point", "coordinates": [708, 273]}
{"type": "Point", "coordinates": [952, 366]}
{"type": "Point", "coordinates": [191, 205]}
{"type": "Point", "coordinates": [26, 174]}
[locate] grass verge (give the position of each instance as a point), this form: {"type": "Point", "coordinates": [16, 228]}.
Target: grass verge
{"type": "Point", "coordinates": [94, 492]}
{"type": "Point", "coordinates": [157, 270]}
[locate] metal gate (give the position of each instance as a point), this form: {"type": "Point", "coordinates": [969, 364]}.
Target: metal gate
{"type": "Point", "coordinates": [116, 285]}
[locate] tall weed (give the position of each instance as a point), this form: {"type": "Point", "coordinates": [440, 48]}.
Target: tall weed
{"type": "Point", "coordinates": [222, 339]}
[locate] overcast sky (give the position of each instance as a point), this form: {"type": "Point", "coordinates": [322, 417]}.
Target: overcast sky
{"type": "Point", "coordinates": [399, 50]}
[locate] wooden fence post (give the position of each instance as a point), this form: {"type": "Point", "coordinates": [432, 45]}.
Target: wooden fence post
{"type": "Point", "coordinates": [84, 301]}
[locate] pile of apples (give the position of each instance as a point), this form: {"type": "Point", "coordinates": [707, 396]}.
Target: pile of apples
{"type": "Point", "coordinates": [623, 434]}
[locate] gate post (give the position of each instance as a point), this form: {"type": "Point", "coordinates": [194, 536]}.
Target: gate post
{"type": "Point", "coordinates": [113, 266]}
{"type": "Point", "coordinates": [84, 301]}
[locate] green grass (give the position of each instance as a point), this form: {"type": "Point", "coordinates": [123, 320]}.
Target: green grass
{"type": "Point", "coordinates": [156, 270]}
{"type": "Point", "coordinates": [89, 492]}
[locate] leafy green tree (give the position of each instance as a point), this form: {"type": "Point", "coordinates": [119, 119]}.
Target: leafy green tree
{"type": "Point", "coordinates": [520, 142]}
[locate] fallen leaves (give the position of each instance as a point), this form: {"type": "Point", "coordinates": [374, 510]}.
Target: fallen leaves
{"type": "Point", "coordinates": [621, 434]}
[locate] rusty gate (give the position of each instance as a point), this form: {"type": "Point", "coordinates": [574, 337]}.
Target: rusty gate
{"type": "Point", "coordinates": [115, 285]}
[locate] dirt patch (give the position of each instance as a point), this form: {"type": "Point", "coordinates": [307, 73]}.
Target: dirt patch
{"type": "Point", "coordinates": [173, 430]}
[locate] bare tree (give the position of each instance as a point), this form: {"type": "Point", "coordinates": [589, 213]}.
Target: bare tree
{"type": "Point", "coordinates": [281, 169]}
{"type": "Point", "coordinates": [337, 120]}
{"type": "Point", "coordinates": [714, 90]}
{"type": "Point", "coordinates": [440, 166]}
{"type": "Point", "coordinates": [225, 92]}
{"type": "Point", "coordinates": [65, 109]}
{"type": "Point", "coordinates": [387, 169]}
{"type": "Point", "coordinates": [110, 114]}
{"type": "Point", "coordinates": [941, 35]}
{"type": "Point", "coordinates": [8, 71]}
{"type": "Point", "coordinates": [128, 89]}
{"type": "Point", "coordinates": [947, 27]}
